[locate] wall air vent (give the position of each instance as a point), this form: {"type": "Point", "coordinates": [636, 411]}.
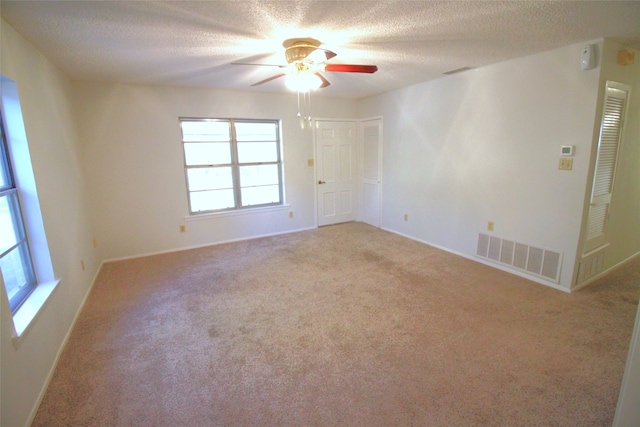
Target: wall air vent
{"type": "Point", "coordinates": [530, 259]}
{"type": "Point", "coordinates": [591, 264]}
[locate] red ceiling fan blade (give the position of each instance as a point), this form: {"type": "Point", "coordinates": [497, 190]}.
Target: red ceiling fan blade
{"type": "Point", "coordinates": [325, 82]}
{"type": "Point", "coordinates": [350, 68]}
{"type": "Point", "coordinates": [268, 80]}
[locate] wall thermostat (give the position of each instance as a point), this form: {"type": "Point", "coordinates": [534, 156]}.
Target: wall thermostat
{"type": "Point", "coordinates": [567, 150]}
{"type": "Point", "coordinates": [588, 57]}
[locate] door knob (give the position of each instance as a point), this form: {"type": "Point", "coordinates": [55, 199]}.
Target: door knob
{"type": "Point", "coordinates": [321, 182]}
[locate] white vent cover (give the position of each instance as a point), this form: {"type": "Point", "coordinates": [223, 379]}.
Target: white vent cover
{"type": "Point", "coordinates": [590, 265]}
{"type": "Point", "coordinates": [530, 259]}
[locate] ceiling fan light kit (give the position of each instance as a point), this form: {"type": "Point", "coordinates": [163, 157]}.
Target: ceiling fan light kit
{"type": "Point", "coordinates": [305, 56]}
{"type": "Point", "coordinates": [303, 79]}
{"type": "Point", "coordinates": [305, 62]}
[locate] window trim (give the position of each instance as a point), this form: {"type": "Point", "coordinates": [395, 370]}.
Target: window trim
{"type": "Point", "coordinates": [235, 165]}
{"type": "Point", "coordinates": [11, 191]}
{"type": "Point", "coordinates": [26, 315]}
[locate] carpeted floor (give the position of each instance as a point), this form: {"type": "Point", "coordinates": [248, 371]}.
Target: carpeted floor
{"type": "Point", "coordinates": [342, 326]}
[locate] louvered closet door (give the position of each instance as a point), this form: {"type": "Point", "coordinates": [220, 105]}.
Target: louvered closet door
{"type": "Point", "coordinates": [607, 158]}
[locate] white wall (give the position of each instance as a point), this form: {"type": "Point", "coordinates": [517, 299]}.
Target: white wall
{"type": "Point", "coordinates": [484, 146]}
{"type": "Point", "coordinates": [624, 217]}
{"type": "Point", "coordinates": [54, 147]}
{"type": "Point", "coordinates": [132, 154]}
{"type": "Point", "coordinates": [628, 411]}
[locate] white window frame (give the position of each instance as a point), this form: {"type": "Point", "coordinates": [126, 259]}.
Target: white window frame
{"type": "Point", "coordinates": [236, 165]}
{"type": "Point", "coordinates": [24, 317]}
{"type": "Point", "coordinates": [9, 196]}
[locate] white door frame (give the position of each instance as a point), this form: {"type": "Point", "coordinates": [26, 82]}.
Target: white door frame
{"type": "Point", "coordinates": [354, 163]}
{"type": "Point", "coordinates": [363, 182]}
{"type": "Point", "coordinates": [600, 201]}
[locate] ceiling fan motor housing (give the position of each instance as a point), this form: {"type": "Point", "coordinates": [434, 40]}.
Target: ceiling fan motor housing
{"type": "Point", "coordinates": [298, 52]}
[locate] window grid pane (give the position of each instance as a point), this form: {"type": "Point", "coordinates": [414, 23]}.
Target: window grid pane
{"type": "Point", "coordinates": [15, 259]}
{"type": "Point", "coordinates": [210, 178]}
{"type": "Point", "coordinates": [263, 195]}
{"type": "Point", "coordinates": [231, 170]}
{"type": "Point", "coordinates": [257, 152]}
{"type": "Point", "coordinates": [207, 153]}
{"type": "Point", "coordinates": [253, 176]}
{"type": "Point", "coordinates": [204, 201]}
{"type": "Point", "coordinates": [17, 273]}
{"type": "Point", "coordinates": [11, 227]}
{"type": "Point", "coordinates": [205, 130]}
{"type": "Point", "coordinates": [256, 131]}
{"type": "Point", "coordinates": [5, 172]}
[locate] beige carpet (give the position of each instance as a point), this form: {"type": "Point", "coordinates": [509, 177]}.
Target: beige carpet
{"type": "Point", "coordinates": [341, 326]}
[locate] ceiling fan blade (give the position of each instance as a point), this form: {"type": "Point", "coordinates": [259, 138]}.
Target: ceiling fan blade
{"type": "Point", "coordinates": [268, 80]}
{"type": "Point", "coordinates": [350, 68]}
{"type": "Point", "coordinates": [325, 82]}
{"type": "Point", "coordinates": [320, 55]}
{"type": "Point", "coordinates": [328, 54]}
{"type": "Point", "coordinates": [259, 65]}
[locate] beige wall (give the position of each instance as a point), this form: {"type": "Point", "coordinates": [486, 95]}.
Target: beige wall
{"type": "Point", "coordinates": [45, 96]}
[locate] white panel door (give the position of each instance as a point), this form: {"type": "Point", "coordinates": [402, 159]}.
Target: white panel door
{"type": "Point", "coordinates": [606, 161]}
{"type": "Point", "coordinates": [335, 171]}
{"type": "Point", "coordinates": [371, 131]}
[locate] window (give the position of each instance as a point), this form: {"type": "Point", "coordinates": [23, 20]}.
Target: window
{"type": "Point", "coordinates": [25, 261]}
{"type": "Point", "coordinates": [232, 164]}
{"type": "Point", "coordinates": [15, 259]}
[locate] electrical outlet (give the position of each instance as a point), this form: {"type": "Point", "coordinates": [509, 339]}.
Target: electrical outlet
{"type": "Point", "coordinates": [565, 164]}
{"type": "Point", "coordinates": [406, 217]}
{"type": "Point", "coordinates": [82, 264]}
{"type": "Point", "coordinates": [309, 162]}
{"type": "Point", "coordinates": [291, 214]}
{"type": "Point", "coordinates": [183, 228]}
{"type": "Point", "coordinates": [490, 226]}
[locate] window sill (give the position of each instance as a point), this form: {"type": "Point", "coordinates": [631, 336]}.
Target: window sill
{"type": "Point", "coordinates": [238, 212]}
{"type": "Point", "coordinates": [25, 317]}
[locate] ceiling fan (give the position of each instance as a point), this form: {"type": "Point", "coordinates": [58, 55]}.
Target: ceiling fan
{"type": "Point", "coordinates": [305, 62]}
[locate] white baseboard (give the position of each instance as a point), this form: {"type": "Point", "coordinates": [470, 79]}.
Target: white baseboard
{"type": "Point", "coordinates": [204, 245]}
{"type": "Point", "coordinates": [34, 411]}
{"type": "Point", "coordinates": [481, 261]}
{"type": "Point", "coordinates": [604, 273]}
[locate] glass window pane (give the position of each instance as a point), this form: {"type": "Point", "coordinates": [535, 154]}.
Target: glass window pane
{"type": "Point", "coordinates": [251, 176]}
{"type": "Point", "coordinates": [16, 273]}
{"type": "Point", "coordinates": [205, 130]}
{"type": "Point", "coordinates": [209, 178]}
{"type": "Point", "coordinates": [11, 229]}
{"type": "Point", "coordinates": [5, 180]}
{"type": "Point", "coordinates": [257, 152]}
{"type": "Point", "coordinates": [256, 131]}
{"type": "Point", "coordinates": [207, 153]}
{"type": "Point", "coordinates": [212, 200]}
{"type": "Point", "coordinates": [260, 195]}
{"type": "Point", "coordinates": [4, 176]}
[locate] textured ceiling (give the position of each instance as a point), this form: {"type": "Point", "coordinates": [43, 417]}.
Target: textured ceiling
{"type": "Point", "coordinates": [194, 43]}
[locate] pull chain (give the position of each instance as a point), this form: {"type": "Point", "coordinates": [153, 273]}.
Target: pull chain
{"type": "Point", "coordinates": [304, 113]}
